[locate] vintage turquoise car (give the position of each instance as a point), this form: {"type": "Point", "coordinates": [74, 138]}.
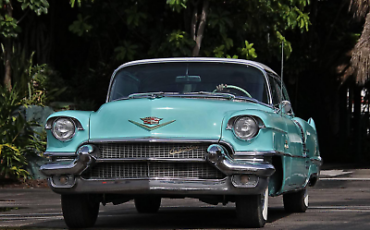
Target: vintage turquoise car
{"type": "Point", "coordinates": [218, 130]}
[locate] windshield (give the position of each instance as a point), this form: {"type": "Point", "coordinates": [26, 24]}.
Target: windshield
{"type": "Point", "coordinates": [186, 78]}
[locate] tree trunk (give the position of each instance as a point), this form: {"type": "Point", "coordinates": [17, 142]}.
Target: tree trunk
{"type": "Point", "coordinates": [8, 54]}
{"type": "Point", "coordinates": [200, 30]}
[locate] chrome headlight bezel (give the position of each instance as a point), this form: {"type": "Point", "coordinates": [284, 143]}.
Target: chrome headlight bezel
{"type": "Point", "coordinates": [255, 126]}
{"type": "Point", "coordinates": [53, 129]}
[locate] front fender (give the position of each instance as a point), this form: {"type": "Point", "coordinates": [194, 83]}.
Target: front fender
{"type": "Point", "coordinates": [82, 134]}
{"type": "Point", "coordinates": [270, 137]}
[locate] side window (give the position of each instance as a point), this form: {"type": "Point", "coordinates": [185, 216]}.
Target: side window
{"type": "Point", "coordinates": [285, 93]}
{"type": "Point", "coordinates": [275, 90]}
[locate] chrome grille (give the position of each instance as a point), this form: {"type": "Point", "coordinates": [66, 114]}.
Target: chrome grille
{"type": "Point", "coordinates": [152, 150]}
{"type": "Point", "coordinates": [153, 170]}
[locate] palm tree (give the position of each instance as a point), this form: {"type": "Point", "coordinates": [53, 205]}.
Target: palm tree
{"type": "Point", "coordinates": [360, 60]}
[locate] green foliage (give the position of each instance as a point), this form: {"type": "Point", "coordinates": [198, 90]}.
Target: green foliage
{"type": "Point", "coordinates": [38, 6]}
{"type": "Point", "coordinates": [287, 45]}
{"type": "Point", "coordinates": [116, 31]}
{"type": "Point", "coordinates": [248, 52]}
{"type": "Point", "coordinates": [221, 19]}
{"type": "Point", "coordinates": [180, 42]}
{"type": "Point", "coordinates": [79, 2]}
{"type": "Point", "coordinates": [126, 51]}
{"type": "Point", "coordinates": [36, 84]}
{"type": "Point", "coordinates": [8, 26]}
{"type": "Point", "coordinates": [177, 5]}
{"type": "Point", "coordinates": [16, 136]}
{"type": "Point", "coordinates": [80, 26]}
{"type": "Point", "coordinates": [135, 17]}
{"type": "Point", "coordinates": [12, 162]}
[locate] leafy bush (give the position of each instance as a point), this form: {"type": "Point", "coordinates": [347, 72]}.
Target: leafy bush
{"type": "Point", "coordinates": [37, 84]}
{"type": "Point", "coordinates": [17, 138]}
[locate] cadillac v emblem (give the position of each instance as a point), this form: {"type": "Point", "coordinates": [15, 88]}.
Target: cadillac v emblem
{"type": "Point", "coordinates": [151, 120]}
{"type": "Point", "coordinates": [151, 123]}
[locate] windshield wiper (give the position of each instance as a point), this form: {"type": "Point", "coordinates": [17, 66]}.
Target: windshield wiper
{"type": "Point", "coordinates": [218, 94]}
{"type": "Point", "coordinates": [150, 95]}
{"type": "Point", "coordinates": [223, 95]}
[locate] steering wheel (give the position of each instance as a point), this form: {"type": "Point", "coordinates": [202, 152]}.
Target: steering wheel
{"type": "Point", "coordinates": [234, 87]}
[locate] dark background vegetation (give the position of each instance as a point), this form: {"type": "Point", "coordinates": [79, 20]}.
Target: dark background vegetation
{"type": "Point", "coordinates": [69, 53]}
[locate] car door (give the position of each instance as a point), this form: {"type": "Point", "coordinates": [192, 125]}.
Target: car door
{"type": "Point", "coordinates": [295, 158]}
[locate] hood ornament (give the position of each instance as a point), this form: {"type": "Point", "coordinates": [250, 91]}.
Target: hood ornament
{"type": "Point", "coordinates": [151, 123]}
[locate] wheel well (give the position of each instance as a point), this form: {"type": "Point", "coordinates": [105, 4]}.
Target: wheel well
{"type": "Point", "coordinates": [313, 180]}
{"type": "Point", "coordinates": [276, 180]}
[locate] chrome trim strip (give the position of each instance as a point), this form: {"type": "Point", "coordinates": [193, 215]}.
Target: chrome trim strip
{"type": "Point", "coordinates": [162, 179]}
{"type": "Point", "coordinates": [257, 153]}
{"type": "Point", "coordinates": [151, 139]}
{"type": "Point", "coordinates": [276, 129]}
{"type": "Point", "coordinates": [60, 154]}
{"type": "Point", "coordinates": [175, 160]}
{"type": "Point", "coordinates": [266, 153]}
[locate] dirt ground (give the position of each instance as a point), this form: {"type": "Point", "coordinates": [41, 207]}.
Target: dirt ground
{"type": "Point", "coordinates": [29, 183]}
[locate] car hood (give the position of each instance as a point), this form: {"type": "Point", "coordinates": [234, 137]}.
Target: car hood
{"type": "Point", "coordinates": [181, 118]}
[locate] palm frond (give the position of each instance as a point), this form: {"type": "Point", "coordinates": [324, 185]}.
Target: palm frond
{"type": "Point", "coordinates": [360, 60]}
{"type": "Point", "coordinates": [360, 8]}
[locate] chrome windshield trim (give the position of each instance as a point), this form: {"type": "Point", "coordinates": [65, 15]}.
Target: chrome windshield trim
{"type": "Point", "coordinates": [149, 159]}
{"type": "Point", "coordinates": [151, 139]}
{"type": "Point", "coordinates": [263, 68]}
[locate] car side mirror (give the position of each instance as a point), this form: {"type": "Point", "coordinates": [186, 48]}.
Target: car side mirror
{"type": "Point", "coordinates": [286, 106]}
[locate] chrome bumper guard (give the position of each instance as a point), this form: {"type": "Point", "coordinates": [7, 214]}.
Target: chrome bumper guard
{"type": "Point", "coordinates": [83, 161]}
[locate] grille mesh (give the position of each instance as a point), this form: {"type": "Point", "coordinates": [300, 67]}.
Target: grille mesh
{"type": "Point", "coordinates": [153, 170]}
{"type": "Point", "coordinates": [152, 150]}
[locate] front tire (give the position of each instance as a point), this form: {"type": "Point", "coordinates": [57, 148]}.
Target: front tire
{"type": "Point", "coordinates": [252, 210]}
{"type": "Point", "coordinates": [79, 211]}
{"type": "Point", "coordinates": [148, 204]}
{"type": "Point", "coordinates": [296, 201]}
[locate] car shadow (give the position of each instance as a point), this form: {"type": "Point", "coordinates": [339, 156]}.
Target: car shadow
{"type": "Point", "coordinates": [168, 218]}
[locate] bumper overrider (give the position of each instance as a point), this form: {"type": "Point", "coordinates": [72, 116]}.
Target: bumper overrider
{"type": "Point", "coordinates": [242, 177]}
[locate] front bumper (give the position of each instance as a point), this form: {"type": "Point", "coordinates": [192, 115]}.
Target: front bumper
{"type": "Point", "coordinates": [216, 155]}
{"type": "Point", "coordinates": [159, 187]}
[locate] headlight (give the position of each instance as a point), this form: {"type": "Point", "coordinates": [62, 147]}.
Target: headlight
{"type": "Point", "coordinates": [245, 128]}
{"type": "Point", "coordinates": [63, 129]}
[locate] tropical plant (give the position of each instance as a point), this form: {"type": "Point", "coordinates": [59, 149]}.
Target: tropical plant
{"type": "Point", "coordinates": [10, 29]}
{"type": "Point", "coordinates": [361, 53]}
{"type": "Point", "coordinates": [17, 139]}
{"type": "Point", "coordinates": [37, 84]}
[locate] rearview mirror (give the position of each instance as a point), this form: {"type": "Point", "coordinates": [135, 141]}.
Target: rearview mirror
{"type": "Point", "coordinates": [187, 78]}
